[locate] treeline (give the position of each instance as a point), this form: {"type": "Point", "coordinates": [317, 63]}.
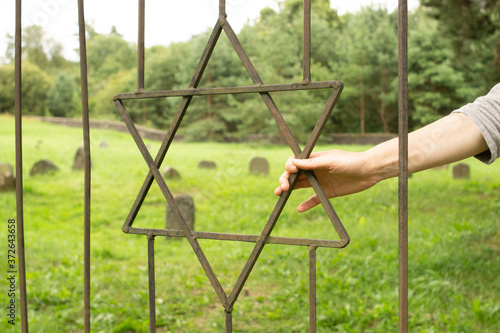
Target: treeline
{"type": "Point", "coordinates": [454, 50]}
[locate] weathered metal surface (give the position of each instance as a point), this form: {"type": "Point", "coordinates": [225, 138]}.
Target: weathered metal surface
{"type": "Point", "coordinates": [231, 90]}
{"type": "Point", "coordinates": [87, 165]}
{"type": "Point", "coordinates": [403, 163]}
{"type": "Point", "coordinates": [21, 260]}
{"type": "Point", "coordinates": [306, 54]}
{"type": "Point", "coordinates": [152, 284]}
{"type": "Point", "coordinates": [140, 46]}
{"type": "Point", "coordinates": [312, 289]}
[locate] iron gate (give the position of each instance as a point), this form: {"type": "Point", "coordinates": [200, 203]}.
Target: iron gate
{"type": "Point", "coordinates": [264, 91]}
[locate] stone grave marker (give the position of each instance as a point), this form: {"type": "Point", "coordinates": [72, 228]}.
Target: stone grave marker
{"type": "Point", "coordinates": [7, 178]}
{"type": "Point", "coordinates": [170, 173]}
{"type": "Point", "coordinates": [186, 206]}
{"type": "Point", "coordinates": [79, 163]}
{"type": "Point", "coordinates": [207, 165]}
{"type": "Point", "coordinates": [461, 171]}
{"type": "Point", "coordinates": [43, 167]}
{"type": "Point", "coordinates": [259, 166]}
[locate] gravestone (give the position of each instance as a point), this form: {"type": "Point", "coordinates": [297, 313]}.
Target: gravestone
{"type": "Point", "coordinates": [207, 165]}
{"type": "Point", "coordinates": [43, 167]}
{"type": "Point", "coordinates": [170, 173]}
{"type": "Point", "coordinates": [7, 178]}
{"type": "Point", "coordinates": [259, 166]}
{"type": "Point", "coordinates": [461, 171]}
{"type": "Point", "coordinates": [186, 206]}
{"type": "Point", "coordinates": [79, 163]}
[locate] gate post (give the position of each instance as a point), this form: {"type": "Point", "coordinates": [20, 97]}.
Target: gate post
{"type": "Point", "coordinates": [403, 163]}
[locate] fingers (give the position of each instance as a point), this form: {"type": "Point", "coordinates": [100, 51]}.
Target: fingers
{"type": "Point", "coordinates": [308, 204]}
{"type": "Point", "coordinates": [310, 163]}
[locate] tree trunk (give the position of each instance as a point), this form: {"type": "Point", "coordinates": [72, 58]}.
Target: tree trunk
{"type": "Point", "coordinates": [362, 105]}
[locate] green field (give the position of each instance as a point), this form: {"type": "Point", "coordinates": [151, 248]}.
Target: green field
{"type": "Point", "coordinates": [454, 244]}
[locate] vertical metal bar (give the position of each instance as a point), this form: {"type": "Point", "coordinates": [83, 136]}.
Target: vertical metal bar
{"type": "Point", "coordinates": [19, 171]}
{"type": "Point", "coordinates": [87, 166]}
{"type": "Point", "coordinates": [307, 42]}
{"type": "Point", "coordinates": [222, 9]}
{"type": "Point", "coordinates": [140, 47]}
{"type": "Point", "coordinates": [312, 289]}
{"type": "Point", "coordinates": [403, 163]}
{"type": "Point", "coordinates": [229, 321]}
{"type": "Point", "coordinates": [152, 291]}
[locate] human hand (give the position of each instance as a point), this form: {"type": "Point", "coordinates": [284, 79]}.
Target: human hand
{"type": "Point", "coordinates": [339, 173]}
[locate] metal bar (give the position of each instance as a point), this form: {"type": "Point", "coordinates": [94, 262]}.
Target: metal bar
{"type": "Point", "coordinates": [170, 199]}
{"type": "Point", "coordinates": [87, 165]}
{"type": "Point", "coordinates": [222, 9]}
{"type": "Point", "coordinates": [307, 42]}
{"type": "Point", "coordinates": [312, 289]}
{"type": "Point", "coordinates": [152, 291]}
{"type": "Point", "coordinates": [19, 171]}
{"type": "Point", "coordinates": [337, 85]}
{"type": "Point", "coordinates": [229, 321]}
{"type": "Point", "coordinates": [241, 238]}
{"type": "Point", "coordinates": [174, 126]}
{"type": "Point", "coordinates": [403, 163]}
{"type": "Point", "coordinates": [140, 47]}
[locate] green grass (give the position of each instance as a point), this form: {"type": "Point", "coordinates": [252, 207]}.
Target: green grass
{"type": "Point", "coordinates": [454, 244]}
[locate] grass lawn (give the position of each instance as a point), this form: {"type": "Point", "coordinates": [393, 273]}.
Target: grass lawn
{"type": "Point", "coordinates": [454, 244]}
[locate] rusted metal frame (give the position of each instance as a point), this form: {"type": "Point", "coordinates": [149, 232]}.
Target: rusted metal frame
{"type": "Point", "coordinates": [222, 9]}
{"type": "Point", "coordinates": [21, 259]}
{"type": "Point", "coordinates": [140, 47]}
{"type": "Point", "coordinates": [174, 126]}
{"type": "Point", "coordinates": [231, 90]}
{"type": "Point", "coordinates": [306, 67]}
{"type": "Point", "coordinates": [170, 199]}
{"type": "Point", "coordinates": [240, 238]}
{"type": "Point", "coordinates": [87, 164]}
{"type": "Point", "coordinates": [229, 321]}
{"type": "Point", "coordinates": [312, 289]}
{"type": "Point", "coordinates": [152, 285]}
{"type": "Point", "coordinates": [403, 163]}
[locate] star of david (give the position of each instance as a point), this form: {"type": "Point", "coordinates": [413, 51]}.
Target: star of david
{"type": "Point", "coordinates": [154, 164]}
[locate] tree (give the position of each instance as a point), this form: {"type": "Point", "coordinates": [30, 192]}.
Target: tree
{"type": "Point", "coordinates": [436, 86]}
{"type": "Point", "coordinates": [108, 54]}
{"type": "Point", "coordinates": [60, 99]}
{"type": "Point", "coordinates": [36, 84]}
{"type": "Point", "coordinates": [473, 27]}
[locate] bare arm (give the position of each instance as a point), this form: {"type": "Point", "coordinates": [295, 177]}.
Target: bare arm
{"type": "Point", "coordinates": [447, 140]}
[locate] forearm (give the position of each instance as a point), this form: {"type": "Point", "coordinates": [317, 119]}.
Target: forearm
{"type": "Point", "coordinates": [447, 140]}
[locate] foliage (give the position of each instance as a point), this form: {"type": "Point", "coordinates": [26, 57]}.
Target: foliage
{"type": "Point", "coordinates": [61, 96]}
{"type": "Point", "coordinates": [453, 58]}
{"type": "Point", "coordinates": [453, 255]}
{"type": "Point", "coordinates": [35, 86]}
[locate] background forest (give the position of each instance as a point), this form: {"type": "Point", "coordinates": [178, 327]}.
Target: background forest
{"type": "Point", "coordinates": [453, 58]}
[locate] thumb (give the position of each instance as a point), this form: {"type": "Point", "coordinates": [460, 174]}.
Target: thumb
{"type": "Point", "coordinates": [310, 163]}
{"type": "Point", "coordinates": [308, 204]}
